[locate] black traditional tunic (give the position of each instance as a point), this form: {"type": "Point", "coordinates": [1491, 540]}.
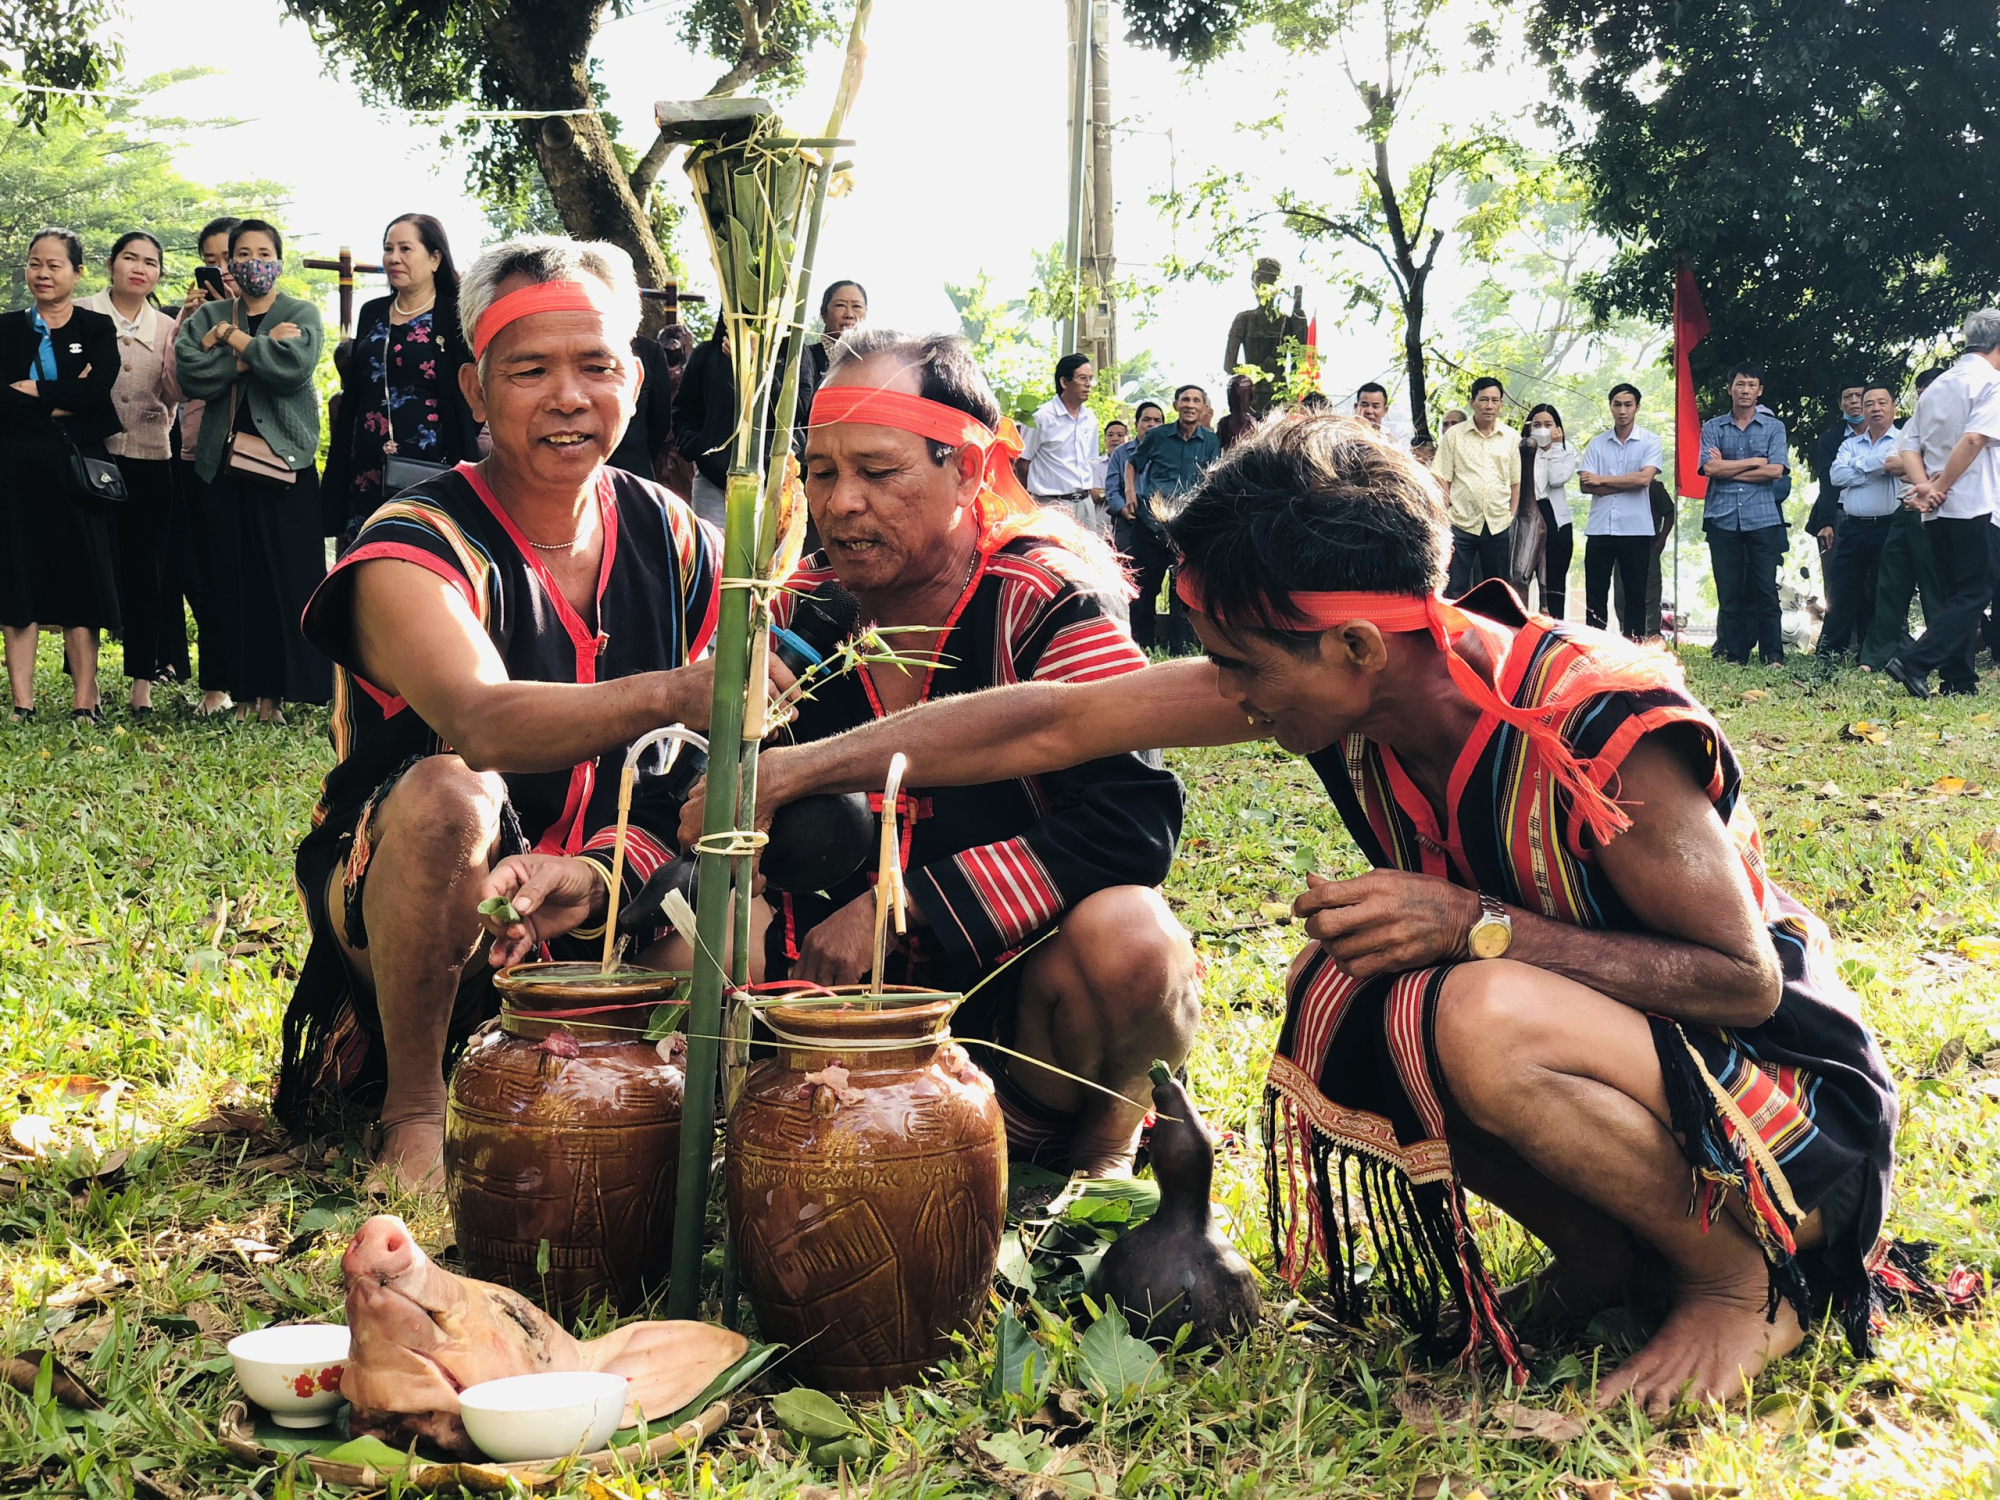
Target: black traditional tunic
{"type": "Point", "coordinates": [1797, 1113]}
{"type": "Point", "coordinates": [991, 867]}
{"type": "Point", "coordinates": [657, 595]}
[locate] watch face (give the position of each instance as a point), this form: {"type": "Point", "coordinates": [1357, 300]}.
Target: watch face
{"type": "Point", "coordinates": [1488, 938]}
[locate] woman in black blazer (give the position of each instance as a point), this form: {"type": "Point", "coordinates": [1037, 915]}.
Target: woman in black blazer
{"type": "Point", "coordinates": [400, 387]}
{"type": "Point", "coordinates": [58, 363]}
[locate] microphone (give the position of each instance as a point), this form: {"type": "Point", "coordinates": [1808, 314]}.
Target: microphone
{"type": "Point", "coordinates": [815, 842]}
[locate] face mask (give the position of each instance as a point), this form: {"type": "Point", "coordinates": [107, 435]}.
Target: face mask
{"type": "Point", "coordinates": [255, 277]}
{"type": "Point", "coordinates": [1543, 436]}
{"type": "Point", "coordinates": [1856, 420]}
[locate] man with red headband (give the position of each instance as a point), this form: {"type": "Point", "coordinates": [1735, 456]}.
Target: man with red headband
{"type": "Point", "coordinates": [502, 632]}
{"type": "Point", "coordinates": [909, 480]}
{"type": "Point", "coordinates": [1567, 983]}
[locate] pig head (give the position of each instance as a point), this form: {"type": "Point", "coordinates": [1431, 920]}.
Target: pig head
{"type": "Point", "coordinates": [419, 1335]}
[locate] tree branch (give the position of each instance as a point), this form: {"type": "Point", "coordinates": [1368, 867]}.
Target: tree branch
{"type": "Point", "coordinates": [648, 170]}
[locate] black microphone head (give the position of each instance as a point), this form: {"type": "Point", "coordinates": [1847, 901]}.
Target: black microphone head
{"type": "Point", "coordinates": [825, 617]}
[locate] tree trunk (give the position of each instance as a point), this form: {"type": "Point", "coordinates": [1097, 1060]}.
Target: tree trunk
{"type": "Point", "coordinates": [545, 46]}
{"type": "Point", "coordinates": [1413, 357]}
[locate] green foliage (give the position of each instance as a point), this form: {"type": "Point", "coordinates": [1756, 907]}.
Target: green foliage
{"type": "Point", "coordinates": [102, 171]}
{"type": "Point", "coordinates": [1014, 348]}
{"type": "Point", "coordinates": [57, 44]}
{"type": "Point", "coordinates": [1816, 167]}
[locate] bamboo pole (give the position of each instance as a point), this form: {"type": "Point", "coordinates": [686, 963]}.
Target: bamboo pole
{"type": "Point", "coordinates": [888, 871]}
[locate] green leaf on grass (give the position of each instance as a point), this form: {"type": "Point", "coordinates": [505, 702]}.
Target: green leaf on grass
{"type": "Point", "coordinates": [734, 1378]}
{"type": "Point", "coordinates": [1023, 1452]}
{"type": "Point", "coordinates": [371, 1451]}
{"type": "Point", "coordinates": [847, 1450]}
{"type": "Point", "coordinates": [1020, 1368]}
{"type": "Point", "coordinates": [814, 1417]}
{"type": "Point", "coordinates": [1118, 1366]}
{"type": "Point", "coordinates": [1013, 1265]}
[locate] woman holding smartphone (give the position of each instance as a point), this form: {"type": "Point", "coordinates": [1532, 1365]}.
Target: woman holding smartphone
{"type": "Point", "coordinates": [58, 363]}
{"type": "Point", "coordinates": [400, 398]}
{"type": "Point", "coordinates": [192, 565]}
{"type": "Point", "coordinates": [252, 360]}
{"type": "Point", "coordinates": [150, 520]}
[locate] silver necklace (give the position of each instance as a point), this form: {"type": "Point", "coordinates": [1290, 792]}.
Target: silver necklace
{"type": "Point", "coordinates": [556, 546]}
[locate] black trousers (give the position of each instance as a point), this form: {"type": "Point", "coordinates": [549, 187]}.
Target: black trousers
{"type": "Point", "coordinates": [1628, 555]}
{"type": "Point", "coordinates": [1151, 567]}
{"type": "Point", "coordinates": [149, 585]}
{"type": "Point", "coordinates": [1903, 572]}
{"type": "Point", "coordinates": [1558, 547]}
{"type": "Point", "coordinates": [1746, 586]}
{"type": "Point", "coordinates": [1964, 560]}
{"type": "Point", "coordinates": [1477, 557]}
{"type": "Point", "coordinates": [262, 558]}
{"type": "Point", "coordinates": [1851, 570]}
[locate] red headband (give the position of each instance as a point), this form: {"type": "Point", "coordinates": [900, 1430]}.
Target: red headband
{"type": "Point", "coordinates": [543, 296]}
{"type": "Point", "coordinates": [1610, 669]}
{"type": "Point", "coordinates": [1005, 509]}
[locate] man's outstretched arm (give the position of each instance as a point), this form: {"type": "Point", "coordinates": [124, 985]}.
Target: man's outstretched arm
{"type": "Point", "coordinates": [1009, 732]}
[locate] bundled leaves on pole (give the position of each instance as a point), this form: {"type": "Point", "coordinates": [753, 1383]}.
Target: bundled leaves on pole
{"type": "Point", "coordinates": [1823, 170]}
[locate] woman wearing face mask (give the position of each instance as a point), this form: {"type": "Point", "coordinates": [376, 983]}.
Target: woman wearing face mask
{"type": "Point", "coordinates": [149, 522]}
{"type": "Point", "coordinates": [400, 397]}
{"type": "Point", "coordinates": [58, 363]}
{"type": "Point", "coordinates": [251, 358]}
{"type": "Point", "coordinates": [843, 306]}
{"type": "Point", "coordinates": [1545, 451]}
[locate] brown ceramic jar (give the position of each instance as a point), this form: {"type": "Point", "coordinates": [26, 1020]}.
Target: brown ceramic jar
{"type": "Point", "coordinates": [568, 1130]}
{"type": "Point", "coordinates": [867, 1209]}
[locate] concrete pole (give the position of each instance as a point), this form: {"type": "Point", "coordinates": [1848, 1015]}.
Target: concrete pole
{"type": "Point", "coordinates": [1079, 75]}
{"type": "Point", "coordinates": [1103, 262]}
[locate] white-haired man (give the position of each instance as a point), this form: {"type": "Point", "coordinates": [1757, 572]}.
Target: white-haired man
{"type": "Point", "coordinates": [502, 633]}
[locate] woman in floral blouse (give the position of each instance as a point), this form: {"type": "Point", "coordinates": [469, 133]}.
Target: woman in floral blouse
{"type": "Point", "coordinates": [400, 395]}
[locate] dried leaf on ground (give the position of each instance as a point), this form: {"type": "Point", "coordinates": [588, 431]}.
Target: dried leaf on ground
{"type": "Point", "coordinates": [34, 1134]}
{"type": "Point", "coordinates": [231, 1122]}
{"type": "Point", "coordinates": [1589, 1489]}
{"type": "Point", "coordinates": [1427, 1411]}
{"type": "Point", "coordinates": [1949, 786]}
{"type": "Point", "coordinates": [1520, 1420]}
{"type": "Point", "coordinates": [1441, 1486]}
{"type": "Point", "coordinates": [1754, 695]}
{"type": "Point", "coordinates": [22, 1371]}
{"type": "Point", "coordinates": [1980, 946]}
{"type": "Point", "coordinates": [1866, 732]}
{"type": "Point", "coordinates": [1683, 1489]}
{"type": "Point", "coordinates": [90, 1289]}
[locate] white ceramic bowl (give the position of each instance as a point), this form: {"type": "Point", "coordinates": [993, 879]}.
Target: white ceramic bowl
{"type": "Point", "coordinates": [293, 1370]}
{"type": "Point", "coordinates": [543, 1416]}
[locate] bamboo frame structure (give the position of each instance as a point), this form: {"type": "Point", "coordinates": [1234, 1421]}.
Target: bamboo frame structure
{"type": "Point", "coordinates": [765, 277]}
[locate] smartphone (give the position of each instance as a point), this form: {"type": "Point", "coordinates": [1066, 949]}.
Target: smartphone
{"type": "Point", "coordinates": [209, 278]}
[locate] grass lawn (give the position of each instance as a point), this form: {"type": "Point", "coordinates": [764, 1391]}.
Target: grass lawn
{"type": "Point", "coordinates": [148, 934]}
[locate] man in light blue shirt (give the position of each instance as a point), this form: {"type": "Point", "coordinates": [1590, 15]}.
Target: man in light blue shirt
{"type": "Point", "coordinates": [1745, 456]}
{"type": "Point", "coordinates": [1868, 505]}
{"type": "Point", "coordinates": [1617, 472]}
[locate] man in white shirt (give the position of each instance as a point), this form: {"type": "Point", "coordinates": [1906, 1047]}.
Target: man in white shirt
{"type": "Point", "coordinates": [1954, 439]}
{"type": "Point", "coordinates": [1058, 462]}
{"type": "Point", "coordinates": [1617, 472]}
{"type": "Point", "coordinates": [1371, 404]}
{"type": "Point", "coordinates": [1868, 503]}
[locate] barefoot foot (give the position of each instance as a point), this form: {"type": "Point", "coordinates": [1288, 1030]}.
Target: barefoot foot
{"type": "Point", "coordinates": [1714, 1341]}
{"type": "Point", "coordinates": [410, 1160]}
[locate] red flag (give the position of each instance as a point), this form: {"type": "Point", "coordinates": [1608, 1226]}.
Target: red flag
{"type": "Point", "coordinates": [1690, 328]}
{"type": "Point", "coordinates": [1311, 360]}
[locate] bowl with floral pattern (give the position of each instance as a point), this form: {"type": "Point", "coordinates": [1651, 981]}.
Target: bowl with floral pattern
{"type": "Point", "coordinates": [293, 1370]}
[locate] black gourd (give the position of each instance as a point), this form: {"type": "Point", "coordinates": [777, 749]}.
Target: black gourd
{"type": "Point", "coordinates": [1176, 1270]}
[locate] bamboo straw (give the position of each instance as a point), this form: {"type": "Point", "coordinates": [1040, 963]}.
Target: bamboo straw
{"type": "Point", "coordinates": [889, 871]}
{"type": "Point", "coordinates": [625, 779]}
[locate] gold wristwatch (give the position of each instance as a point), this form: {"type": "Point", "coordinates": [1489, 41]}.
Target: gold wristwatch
{"type": "Point", "coordinates": [1493, 934]}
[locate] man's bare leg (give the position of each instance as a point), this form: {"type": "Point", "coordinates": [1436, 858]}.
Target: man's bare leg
{"type": "Point", "coordinates": [1569, 1080]}
{"type": "Point", "coordinates": [1114, 989]}
{"type": "Point", "coordinates": [436, 835]}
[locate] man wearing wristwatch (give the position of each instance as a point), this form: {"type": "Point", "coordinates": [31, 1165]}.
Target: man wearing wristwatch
{"type": "Point", "coordinates": [1567, 984]}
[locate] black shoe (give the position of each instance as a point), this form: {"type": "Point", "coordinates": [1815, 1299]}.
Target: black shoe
{"type": "Point", "coordinates": [21, 714]}
{"type": "Point", "coordinates": [87, 715]}
{"type": "Point", "coordinates": [138, 710]}
{"type": "Point", "coordinates": [1917, 686]}
{"type": "Point", "coordinates": [1958, 690]}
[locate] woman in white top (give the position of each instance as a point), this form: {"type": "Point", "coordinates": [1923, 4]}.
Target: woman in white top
{"type": "Point", "coordinates": [145, 396]}
{"type": "Point", "coordinates": [1555, 466]}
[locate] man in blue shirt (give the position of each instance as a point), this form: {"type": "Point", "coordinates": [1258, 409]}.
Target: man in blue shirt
{"type": "Point", "coordinates": [1166, 466]}
{"type": "Point", "coordinates": [1744, 455]}
{"type": "Point", "coordinates": [1868, 506]}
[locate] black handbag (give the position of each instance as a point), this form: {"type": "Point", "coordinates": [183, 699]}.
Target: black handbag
{"type": "Point", "coordinates": [94, 479]}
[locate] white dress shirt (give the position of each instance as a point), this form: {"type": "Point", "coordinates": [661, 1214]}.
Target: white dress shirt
{"type": "Point", "coordinates": [1624, 512]}
{"type": "Point", "coordinates": [1961, 400]}
{"type": "Point", "coordinates": [1061, 450]}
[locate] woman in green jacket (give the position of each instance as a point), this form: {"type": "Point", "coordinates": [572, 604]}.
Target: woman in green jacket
{"type": "Point", "coordinates": [252, 359]}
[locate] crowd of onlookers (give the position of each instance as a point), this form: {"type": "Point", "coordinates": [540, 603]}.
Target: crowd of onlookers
{"type": "Point", "coordinates": [159, 457]}
{"type": "Point", "coordinates": [1907, 509]}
